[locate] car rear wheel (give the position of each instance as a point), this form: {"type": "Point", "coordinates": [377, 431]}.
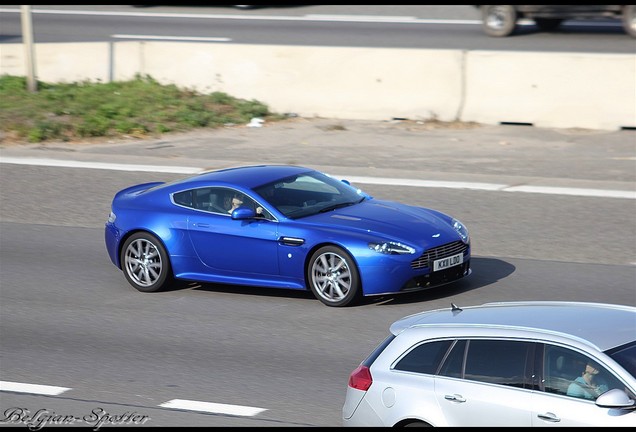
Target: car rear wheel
{"type": "Point", "coordinates": [333, 276]}
{"type": "Point", "coordinates": [145, 263]}
{"type": "Point", "coordinates": [629, 20]}
{"type": "Point", "coordinates": [499, 20]}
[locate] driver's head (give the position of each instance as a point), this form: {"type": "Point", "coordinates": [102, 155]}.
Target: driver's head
{"type": "Point", "coordinates": [237, 200]}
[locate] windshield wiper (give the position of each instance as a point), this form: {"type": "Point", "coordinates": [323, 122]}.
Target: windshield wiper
{"type": "Point", "coordinates": [337, 206]}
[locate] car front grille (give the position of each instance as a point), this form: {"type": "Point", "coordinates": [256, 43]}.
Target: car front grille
{"type": "Point", "coordinates": [435, 279]}
{"type": "Point", "coordinates": [427, 258]}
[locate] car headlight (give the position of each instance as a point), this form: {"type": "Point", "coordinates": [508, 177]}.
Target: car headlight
{"type": "Point", "coordinates": [461, 230]}
{"type": "Point", "coordinates": [112, 217]}
{"type": "Point", "coordinates": [391, 248]}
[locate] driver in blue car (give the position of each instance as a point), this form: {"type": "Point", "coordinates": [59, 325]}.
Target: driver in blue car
{"type": "Point", "coordinates": [235, 203]}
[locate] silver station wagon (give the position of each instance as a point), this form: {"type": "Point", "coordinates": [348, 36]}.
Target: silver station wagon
{"type": "Point", "coordinates": [501, 364]}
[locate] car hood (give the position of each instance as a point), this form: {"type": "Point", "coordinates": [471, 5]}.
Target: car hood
{"type": "Point", "coordinates": [393, 220]}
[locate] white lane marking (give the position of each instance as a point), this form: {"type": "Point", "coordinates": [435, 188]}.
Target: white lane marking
{"type": "Point", "coordinates": [211, 407]}
{"type": "Point", "coordinates": [601, 193]}
{"type": "Point", "coordinates": [32, 388]}
{"type": "Point", "coordinates": [169, 38]}
{"type": "Point", "coordinates": [322, 17]}
{"type": "Point", "coordinates": [548, 190]}
{"type": "Point", "coordinates": [309, 17]}
{"type": "Point", "coordinates": [570, 191]}
{"type": "Point", "coordinates": [423, 183]}
{"type": "Point", "coordinates": [183, 404]}
{"type": "Point", "coordinates": [99, 165]}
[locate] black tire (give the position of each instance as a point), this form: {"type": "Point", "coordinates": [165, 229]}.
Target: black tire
{"type": "Point", "coordinates": [548, 24]}
{"type": "Point", "coordinates": [333, 277]}
{"type": "Point", "coordinates": [417, 424]}
{"type": "Point", "coordinates": [145, 263]}
{"type": "Point", "coordinates": [498, 20]}
{"type": "Point", "coordinates": [629, 20]}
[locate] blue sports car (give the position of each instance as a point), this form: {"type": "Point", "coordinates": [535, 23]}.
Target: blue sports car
{"type": "Point", "coordinates": [281, 226]}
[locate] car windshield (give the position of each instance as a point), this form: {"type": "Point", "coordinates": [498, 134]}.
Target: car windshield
{"type": "Point", "coordinates": [308, 194]}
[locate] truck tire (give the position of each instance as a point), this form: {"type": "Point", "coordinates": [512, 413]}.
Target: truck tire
{"type": "Point", "coordinates": [499, 20]}
{"type": "Point", "coordinates": [629, 20]}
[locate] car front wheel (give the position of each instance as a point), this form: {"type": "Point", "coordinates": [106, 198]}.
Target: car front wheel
{"type": "Point", "coordinates": [333, 276]}
{"type": "Point", "coordinates": [145, 263]}
{"type": "Point", "coordinates": [499, 20]}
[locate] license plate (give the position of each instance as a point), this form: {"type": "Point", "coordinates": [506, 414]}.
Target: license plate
{"type": "Point", "coordinates": [447, 262]}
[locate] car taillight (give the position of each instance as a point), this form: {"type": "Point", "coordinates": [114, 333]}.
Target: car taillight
{"type": "Point", "coordinates": [360, 378]}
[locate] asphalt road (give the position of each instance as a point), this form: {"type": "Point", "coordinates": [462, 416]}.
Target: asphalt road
{"type": "Point", "coordinates": [69, 319]}
{"type": "Point", "coordinates": [456, 27]}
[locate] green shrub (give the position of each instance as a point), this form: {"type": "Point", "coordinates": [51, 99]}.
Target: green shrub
{"type": "Point", "coordinates": [138, 107]}
{"type": "Point", "coordinates": [93, 127]}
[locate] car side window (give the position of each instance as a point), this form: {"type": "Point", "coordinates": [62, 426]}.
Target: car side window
{"type": "Point", "coordinates": [424, 358]}
{"type": "Point", "coordinates": [454, 365]}
{"type": "Point", "coordinates": [233, 199]}
{"type": "Point", "coordinates": [217, 200]}
{"type": "Point", "coordinates": [561, 366]}
{"type": "Point", "coordinates": [183, 198]}
{"type": "Point", "coordinates": [206, 199]}
{"type": "Point", "coordinates": [503, 362]}
{"type": "Point", "coordinates": [570, 373]}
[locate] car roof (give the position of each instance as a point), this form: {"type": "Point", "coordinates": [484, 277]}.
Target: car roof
{"type": "Point", "coordinates": [604, 325]}
{"type": "Point", "coordinates": [248, 176]}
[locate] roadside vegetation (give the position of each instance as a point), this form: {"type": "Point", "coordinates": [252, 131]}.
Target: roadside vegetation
{"type": "Point", "coordinates": [139, 108]}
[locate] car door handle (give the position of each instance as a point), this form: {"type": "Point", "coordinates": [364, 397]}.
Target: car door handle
{"type": "Point", "coordinates": [201, 225]}
{"type": "Point", "coordinates": [455, 398]}
{"type": "Point", "coordinates": [551, 417]}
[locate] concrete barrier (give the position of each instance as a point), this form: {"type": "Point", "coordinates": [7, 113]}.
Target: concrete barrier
{"type": "Point", "coordinates": [560, 90]}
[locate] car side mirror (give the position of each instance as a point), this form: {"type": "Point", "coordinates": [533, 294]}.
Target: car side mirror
{"type": "Point", "coordinates": [615, 398]}
{"type": "Point", "coordinates": [243, 213]}
{"type": "Point", "coordinates": [360, 191]}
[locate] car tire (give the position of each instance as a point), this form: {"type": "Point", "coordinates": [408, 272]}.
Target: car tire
{"type": "Point", "coordinates": [548, 24]}
{"type": "Point", "coordinates": [629, 20]}
{"type": "Point", "coordinates": [417, 424]}
{"type": "Point", "coordinates": [498, 20]}
{"type": "Point", "coordinates": [333, 277]}
{"type": "Point", "coordinates": [145, 263]}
